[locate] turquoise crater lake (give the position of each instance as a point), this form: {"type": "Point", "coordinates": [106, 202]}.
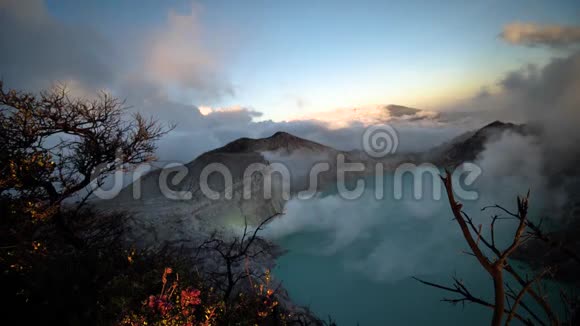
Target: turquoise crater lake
{"type": "Point", "coordinates": [354, 260]}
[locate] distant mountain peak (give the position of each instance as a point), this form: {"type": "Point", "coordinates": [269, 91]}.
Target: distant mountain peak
{"type": "Point", "coordinates": [280, 140]}
{"type": "Point", "coordinates": [467, 147]}
{"type": "Point", "coordinates": [281, 134]}
{"type": "Point", "coordinates": [285, 135]}
{"type": "Point", "coordinates": [401, 110]}
{"type": "Point", "coordinates": [499, 124]}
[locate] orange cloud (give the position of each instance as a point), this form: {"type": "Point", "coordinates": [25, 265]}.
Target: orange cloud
{"type": "Point", "coordinates": [533, 35]}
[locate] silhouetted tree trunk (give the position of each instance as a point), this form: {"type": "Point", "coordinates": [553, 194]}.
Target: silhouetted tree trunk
{"type": "Point", "coordinates": [499, 264]}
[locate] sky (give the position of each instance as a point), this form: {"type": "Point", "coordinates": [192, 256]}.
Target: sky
{"type": "Point", "coordinates": [319, 69]}
{"type": "Point", "coordinates": [287, 59]}
{"type": "Point", "coordinates": [325, 71]}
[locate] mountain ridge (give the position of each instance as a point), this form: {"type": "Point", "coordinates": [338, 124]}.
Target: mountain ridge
{"type": "Point", "coordinates": [464, 147]}
{"type": "Point", "coordinates": [198, 212]}
{"type": "Point", "coordinates": [467, 146]}
{"type": "Point", "coordinates": [278, 140]}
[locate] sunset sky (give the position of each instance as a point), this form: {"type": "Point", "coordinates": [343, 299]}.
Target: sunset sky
{"type": "Point", "coordinates": [293, 59]}
{"type": "Point", "coordinates": [281, 161]}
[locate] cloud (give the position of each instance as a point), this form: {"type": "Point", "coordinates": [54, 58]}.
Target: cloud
{"type": "Point", "coordinates": [180, 62]}
{"type": "Point", "coordinates": [197, 133]}
{"type": "Point", "coordinates": [367, 116]}
{"type": "Point", "coordinates": [207, 110]}
{"type": "Point", "coordinates": [543, 95]}
{"type": "Point", "coordinates": [178, 59]}
{"type": "Point", "coordinates": [547, 99]}
{"type": "Point", "coordinates": [181, 66]}
{"type": "Point", "coordinates": [547, 96]}
{"type": "Point", "coordinates": [202, 129]}
{"type": "Point", "coordinates": [181, 55]}
{"type": "Point", "coordinates": [37, 50]}
{"type": "Point", "coordinates": [386, 240]}
{"type": "Point", "coordinates": [541, 35]}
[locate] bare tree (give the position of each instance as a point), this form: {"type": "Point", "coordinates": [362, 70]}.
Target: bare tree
{"type": "Point", "coordinates": [53, 145]}
{"type": "Point", "coordinates": [235, 254]}
{"type": "Point", "coordinates": [507, 302]}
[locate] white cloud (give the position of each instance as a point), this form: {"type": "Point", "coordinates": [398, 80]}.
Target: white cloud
{"type": "Point", "coordinates": [208, 110]}
{"type": "Point", "coordinates": [546, 98]}
{"type": "Point", "coordinates": [182, 56]}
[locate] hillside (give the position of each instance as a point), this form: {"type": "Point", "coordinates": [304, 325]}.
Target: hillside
{"type": "Point", "coordinates": [467, 147]}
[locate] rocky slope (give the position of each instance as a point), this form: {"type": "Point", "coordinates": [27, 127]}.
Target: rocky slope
{"type": "Point", "coordinates": [467, 147]}
{"type": "Point", "coordinates": [157, 218]}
